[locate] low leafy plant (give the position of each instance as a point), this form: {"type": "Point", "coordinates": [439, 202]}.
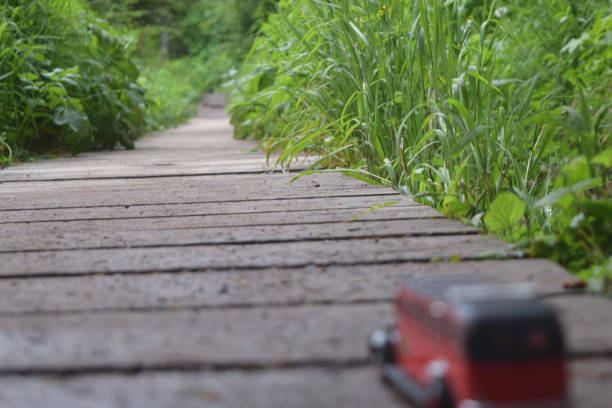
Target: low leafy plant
{"type": "Point", "coordinates": [66, 81]}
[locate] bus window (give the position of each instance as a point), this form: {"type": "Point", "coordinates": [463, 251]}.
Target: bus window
{"type": "Point", "coordinates": [514, 342]}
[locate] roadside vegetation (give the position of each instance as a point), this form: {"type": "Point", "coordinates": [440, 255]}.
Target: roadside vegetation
{"type": "Point", "coordinates": [66, 81]}
{"type": "Point", "coordinates": [80, 75]}
{"type": "Point", "coordinates": [494, 112]}
{"type": "Point", "coordinates": [184, 47]}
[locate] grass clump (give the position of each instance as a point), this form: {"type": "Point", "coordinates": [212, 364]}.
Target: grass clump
{"type": "Point", "coordinates": [66, 81]}
{"type": "Point", "coordinates": [495, 113]}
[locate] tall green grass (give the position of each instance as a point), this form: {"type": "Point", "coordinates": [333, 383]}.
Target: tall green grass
{"type": "Point", "coordinates": [66, 81]}
{"type": "Point", "coordinates": [498, 114]}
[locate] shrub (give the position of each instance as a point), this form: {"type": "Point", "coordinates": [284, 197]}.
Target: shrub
{"type": "Point", "coordinates": [66, 81]}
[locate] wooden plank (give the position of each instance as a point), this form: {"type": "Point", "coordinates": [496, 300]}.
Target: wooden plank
{"type": "Point", "coordinates": [277, 388]}
{"type": "Point", "coordinates": [153, 225]}
{"type": "Point", "coordinates": [202, 195]}
{"type": "Point", "coordinates": [588, 322]}
{"type": "Point", "coordinates": [591, 382]}
{"type": "Point", "coordinates": [114, 192]}
{"type": "Point", "coordinates": [260, 256]}
{"type": "Point", "coordinates": [305, 388]}
{"type": "Point", "coordinates": [196, 187]}
{"type": "Point", "coordinates": [188, 184]}
{"type": "Point", "coordinates": [254, 337]}
{"type": "Point", "coordinates": [201, 209]}
{"type": "Point", "coordinates": [307, 285]}
{"type": "Point", "coordinates": [39, 239]}
{"type": "Point", "coordinates": [135, 170]}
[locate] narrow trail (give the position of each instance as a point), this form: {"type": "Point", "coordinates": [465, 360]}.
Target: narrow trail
{"type": "Point", "coordinates": [187, 273]}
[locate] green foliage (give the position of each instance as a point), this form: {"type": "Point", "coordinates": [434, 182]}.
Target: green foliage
{"type": "Point", "coordinates": [185, 47]}
{"type": "Point", "coordinates": [504, 213]}
{"type": "Point", "coordinates": [486, 112]}
{"type": "Point", "coordinates": [70, 81]}
{"type": "Point", "coordinates": [172, 102]}
{"type": "Point", "coordinates": [66, 81]}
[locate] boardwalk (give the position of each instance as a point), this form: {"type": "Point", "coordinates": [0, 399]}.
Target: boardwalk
{"type": "Point", "coordinates": [183, 274]}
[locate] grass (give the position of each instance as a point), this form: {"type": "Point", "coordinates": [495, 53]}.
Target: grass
{"type": "Point", "coordinates": [498, 114]}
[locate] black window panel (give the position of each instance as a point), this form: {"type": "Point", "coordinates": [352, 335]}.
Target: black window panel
{"type": "Point", "coordinates": [493, 341]}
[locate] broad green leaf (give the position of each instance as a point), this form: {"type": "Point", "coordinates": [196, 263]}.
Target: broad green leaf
{"type": "Point", "coordinates": [604, 158]}
{"type": "Point", "coordinates": [574, 172]}
{"type": "Point", "coordinates": [68, 116]}
{"type": "Point", "coordinates": [504, 212]}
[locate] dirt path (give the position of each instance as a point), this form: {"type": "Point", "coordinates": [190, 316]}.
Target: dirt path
{"type": "Point", "coordinates": [184, 274]}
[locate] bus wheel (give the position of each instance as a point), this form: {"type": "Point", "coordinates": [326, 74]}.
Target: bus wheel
{"type": "Point", "coordinates": [388, 353]}
{"type": "Point", "coordinates": [441, 395]}
{"type": "Point", "coordinates": [389, 356]}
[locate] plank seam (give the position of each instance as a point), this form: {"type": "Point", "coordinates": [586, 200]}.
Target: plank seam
{"type": "Point", "coordinates": [254, 268]}
{"type": "Point", "coordinates": [183, 367]}
{"type": "Point", "coordinates": [229, 306]}
{"type": "Point", "coordinates": [157, 176]}
{"type": "Point", "coordinates": [202, 215]}
{"type": "Point", "coordinates": [198, 308]}
{"type": "Point", "coordinates": [378, 194]}
{"type": "Point", "coordinates": [201, 367]}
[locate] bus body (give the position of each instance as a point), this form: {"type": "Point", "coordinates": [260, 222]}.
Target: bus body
{"type": "Point", "coordinates": [458, 343]}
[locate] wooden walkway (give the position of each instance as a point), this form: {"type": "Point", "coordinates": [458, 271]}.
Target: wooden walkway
{"type": "Point", "coordinates": [182, 274]}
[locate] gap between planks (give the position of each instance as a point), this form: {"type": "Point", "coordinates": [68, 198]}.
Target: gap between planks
{"type": "Point", "coordinates": [254, 200]}
{"type": "Point", "coordinates": [276, 387]}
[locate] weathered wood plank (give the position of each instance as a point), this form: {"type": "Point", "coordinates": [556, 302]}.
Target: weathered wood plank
{"type": "Point", "coordinates": [278, 388]}
{"type": "Point", "coordinates": [91, 198]}
{"type": "Point", "coordinates": [591, 382]}
{"type": "Point", "coordinates": [97, 193]}
{"type": "Point", "coordinates": [170, 196]}
{"type": "Point", "coordinates": [201, 209]}
{"type": "Point", "coordinates": [135, 170]}
{"type": "Point", "coordinates": [292, 254]}
{"type": "Point", "coordinates": [588, 322]}
{"type": "Point", "coordinates": [271, 180]}
{"type": "Point", "coordinates": [159, 166]}
{"type": "Point", "coordinates": [253, 288]}
{"type": "Point", "coordinates": [153, 225]}
{"type": "Point", "coordinates": [304, 388]}
{"type": "Point", "coordinates": [35, 239]}
{"type": "Point", "coordinates": [257, 337]}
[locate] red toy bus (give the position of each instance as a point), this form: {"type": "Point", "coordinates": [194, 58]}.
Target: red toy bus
{"type": "Point", "coordinates": [458, 343]}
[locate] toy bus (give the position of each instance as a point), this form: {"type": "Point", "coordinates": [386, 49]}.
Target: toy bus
{"type": "Point", "coordinates": [459, 343]}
